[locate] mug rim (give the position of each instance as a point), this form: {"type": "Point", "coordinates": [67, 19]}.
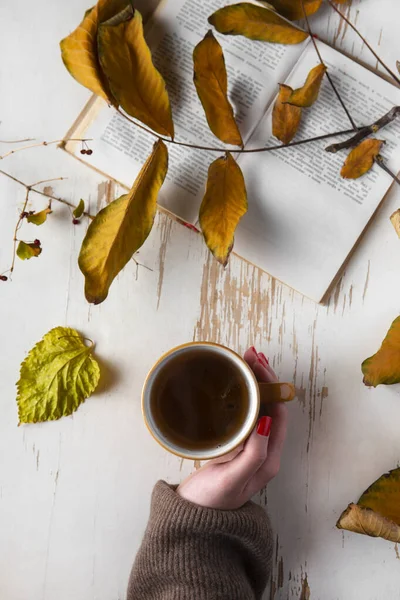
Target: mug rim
{"type": "Point", "coordinates": [208, 454]}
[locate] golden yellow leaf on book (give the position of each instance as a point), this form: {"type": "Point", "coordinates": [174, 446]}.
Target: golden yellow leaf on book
{"type": "Point", "coordinates": [285, 117]}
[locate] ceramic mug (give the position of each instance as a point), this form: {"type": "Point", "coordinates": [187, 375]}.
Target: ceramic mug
{"type": "Point", "coordinates": [258, 395]}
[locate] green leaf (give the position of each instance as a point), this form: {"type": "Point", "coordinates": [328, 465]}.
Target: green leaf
{"type": "Point", "coordinates": [56, 376]}
{"type": "Point", "coordinates": [79, 210]}
{"type": "Point", "coordinates": [40, 217]}
{"type": "Point", "coordinates": [25, 251]}
{"type": "Point", "coordinates": [120, 228]}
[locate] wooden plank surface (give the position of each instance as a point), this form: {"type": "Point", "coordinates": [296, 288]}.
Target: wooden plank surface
{"type": "Point", "coordinates": [74, 494]}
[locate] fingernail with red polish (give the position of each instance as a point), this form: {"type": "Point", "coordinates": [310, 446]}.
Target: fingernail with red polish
{"type": "Point", "coordinates": [253, 350]}
{"type": "Point", "coordinates": [264, 426]}
{"type": "Point", "coordinates": [263, 358]}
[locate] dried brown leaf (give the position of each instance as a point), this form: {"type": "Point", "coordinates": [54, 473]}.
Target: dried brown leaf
{"type": "Point", "coordinates": [384, 366]}
{"type": "Point", "coordinates": [133, 79]}
{"type": "Point", "coordinates": [361, 158]}
{"type": "Point", "coordinates": [256, 23]}
{"type": "Point", "coordinates": [308, 93]}
{"type": "Point", "coordinates": [292, 9]}
{"type": "Point", "coordinates": [377, 513]}
{"type": "Point", "coordinates": [223, 205]}
{"type": "Point", "coordinates": [285, 117]}
{"type": "Point", "coordinates": [395, 219]}
{"type": "Point", "coordinates": [211, 83]}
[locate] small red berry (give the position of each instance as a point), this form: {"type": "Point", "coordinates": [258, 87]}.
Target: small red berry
{"type": "Point", "coordinates": [3, 278]}
{"type": "Point", "coordinates": [37, 242]}
{"type": "Point", "coordinates": [89, 151]}
{"type": "Point", "coordinates": [83, 151]}
{"type": "Point", "coordinates": [76, 221]}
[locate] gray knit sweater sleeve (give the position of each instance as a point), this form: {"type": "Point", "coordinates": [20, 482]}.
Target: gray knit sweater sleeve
{"type": "Point", "coordinates": [195, 553]}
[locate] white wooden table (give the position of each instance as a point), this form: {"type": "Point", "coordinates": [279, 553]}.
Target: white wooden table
{"type": "Point", "coordinates": [74, 494]}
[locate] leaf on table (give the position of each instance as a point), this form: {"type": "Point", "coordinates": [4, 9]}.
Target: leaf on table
{"type": "Point", "coordinates": [26, 250]}
{"type": "Point", "coordinates": [308, 93]}
{"type": "Point", "coordinates": [211, 83]}
{"type": "Point", "coordinates": [58, 374]}
{"type": "Point", "coordinates": [127, 63]}
{"type": "Point", "coordinates": [377, 513]}
{"type": "Point", "coordinates": [79, 49]}
{"type": "Point", "coordinates": [257, 23]}
{"type": "Point", "coordinates": [223, 205]}
{"type": "Point", "coordinates": [40, 217]}
{"type": "Point", "coordinates": [395, 220]}
{"type": "Point", "coordinates": [285, 117]}
{"type": "Point", "coordinates": [120, 228]}
{"type": "Point", "coordinates": [361, 158]}
{"type": "Point", "coordinates": [79, 210]}
{"type": "Point", "coordinates": [292, 9]}
{"type": "Point", "coordinates": [384, 366]}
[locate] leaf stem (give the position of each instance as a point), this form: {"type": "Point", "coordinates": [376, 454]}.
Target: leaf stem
{"type": "Point", "coordinates": [350, 118]}
{"type": "Point", "coordinates": [16, 141]}
{"type": "Point", "coordinates": [382, 165]}
{"type": "Point", "coordinates": [18, 225]}
{"type": "Point", "coordinates": [354, 28]}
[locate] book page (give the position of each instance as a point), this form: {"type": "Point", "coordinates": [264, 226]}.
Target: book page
{"type": "Point", "coordinates": [254, 69]}
{"type": "Point", "coordinates": [303, 218]}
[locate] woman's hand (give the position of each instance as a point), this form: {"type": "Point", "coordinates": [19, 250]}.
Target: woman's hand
{"type": "Point", "coordinates": [229, 482]}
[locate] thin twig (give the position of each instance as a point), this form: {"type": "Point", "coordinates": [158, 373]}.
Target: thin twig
{"type": "Point", "coordinates": [16, 141]}
{"type": "Point", "coordinates": [18, 225]}
{"type": "Point", "coordinates": [350, 118]}
{"type": "Point", "coordinates": [354, 28]}
{"type": "Point", "coordinates": [47, 181]}
{"type": "Point", "coordinates": [73, 206]}
{"type": "Point", "coordinates": [381, 164]}
{"type": "Point", "coordinates": [366, 131]}
{"type": "Point", "coordinates": [244, 151]}
{"type": "Point", "coordinates": [42, 144]}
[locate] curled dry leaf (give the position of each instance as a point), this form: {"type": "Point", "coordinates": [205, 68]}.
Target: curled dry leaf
{"type": "Point", "coordinates": [26, 250]}
{"type": "Point", "coordinates": [120, 228]}
{"type": "Point", "coordinates": [377, 513]}
{"type": "Point", "coordinates": [223, 205]}
{"type": "Point", "coordinates": [256, 23]}
{"type": "Point", "coordinates": [56, 376]}
{"type": "Point", "coordinates": [292, 9]}
{"type": "Point", "coordinates": [79, 49]}
{"type": "Point", "coordinates": [308, 93]}
{"type": "Point", "coordinates": [285, 117]}
{"type": "Point", "coordinates": [79, 210]}
{"type": "Point", "coordinates": [133, 79]}
{"type": "Point", "coordinates": [211, 83]}
{"type": "Point", "coordinates": [395, 219]}
{"type": "Point", "coordinates": [361, 158]}
{"type": "Point", "coordinates": [40, 217]}
{"type": "Point", "coordinates": [384, 366]}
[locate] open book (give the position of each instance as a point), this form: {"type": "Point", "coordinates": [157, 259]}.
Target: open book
{"type": "Point", "coordinates": [303, 218]}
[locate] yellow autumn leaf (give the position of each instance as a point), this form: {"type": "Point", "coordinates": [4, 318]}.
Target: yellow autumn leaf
{"type": "Point", "coordinates": [308, 93]}
{"type": "Point", "coordinates": [377, 513]}
{"type": "Point", "coordinates": [79, 49]}
{"type": "Point", "coordinates": [58, 374]}
{"type": "Point", "coordinates": [395, 220]}
{"type": "Point", "coordinates": [285, 117]}
{"type": "Point", "coordinates": [384, 366]}
{"type": "Point", "coordinates": [211, 83]}
{"type": "Point", "coordinates": [126, 61]}
{"type": "Point", "coordinates": [120, 228]}
{"type": "Point", "coordinates": [40, 217]}
{"type": "Point", "coordinates": [27, 250]}
{"type": "Point", "coordinates": [257, 23]}
{"type": "Point", "coordinates": [292, 9]}
{"type": "Point", "coordinates": [361, 158]}
{"type": "Point", "coordinates": [223, 205]}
